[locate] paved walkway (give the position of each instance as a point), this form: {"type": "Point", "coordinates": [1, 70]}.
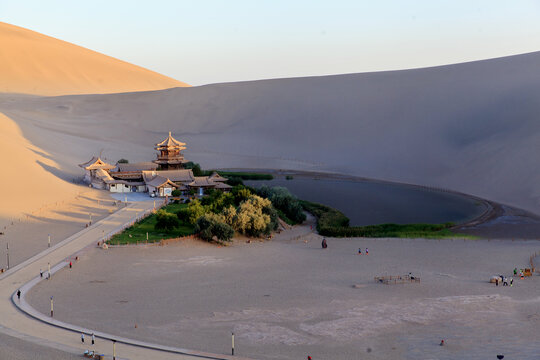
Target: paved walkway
{"type": "Point", "coordinates": [18, 318]}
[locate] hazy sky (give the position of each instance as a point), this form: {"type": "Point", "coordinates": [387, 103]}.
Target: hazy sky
{"type": "Point", "coordinates": [202, 42]}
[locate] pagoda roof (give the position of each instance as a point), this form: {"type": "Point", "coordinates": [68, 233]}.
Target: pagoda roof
{"type": "Point", "coordinates": [170, 142]}
{"type": "Point", "coordinates": [180, 175]}
{"type": "Point", "coordinates": [216, 177]}
{"type": "Point", "coordinates": [160, 181]}
{"type": "Point", "coordinates": [221, 185]}
{"type": "Point", "coordinates": [202, 181]}
{"type": "Point", "coordinates": [96, 163]}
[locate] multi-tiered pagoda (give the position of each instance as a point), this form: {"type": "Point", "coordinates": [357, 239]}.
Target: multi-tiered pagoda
{"type": "Point", "coordinates": [170, 156]}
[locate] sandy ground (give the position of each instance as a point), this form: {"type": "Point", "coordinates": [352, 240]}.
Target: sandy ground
{"type": "Point", "coordinates": [287, 298]}
{"type": "Point", "coordinates": [12, 348]}
{"type": "Point", "coordinates": [27, 235]}
{"type": "Point", "coordinates": [33, 63]}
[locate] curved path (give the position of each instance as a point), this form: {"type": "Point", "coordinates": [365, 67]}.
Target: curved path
{"type": "Point", "coordinates": [19, 319]}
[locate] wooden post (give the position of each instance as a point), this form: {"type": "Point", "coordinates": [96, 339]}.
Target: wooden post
{"type": "Point", "coordinates": [52, 309]}
{"type": "Point", "coordinates": [114, 349]}
{"type": "Point", "coordinates": [232, 350]}
{"type": "Point", "coordinates": [49, 240]}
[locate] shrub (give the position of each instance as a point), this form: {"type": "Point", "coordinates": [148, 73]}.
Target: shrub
{"type": "Point", "coordinates": [251, 217]}
{"type": "Point", "coordinates": [211, 225]}
{"type": "Point", "coordinates": [166, 221]}
{"type": "Point", "coordinates": [285, 202]}
{"type": "Point", "coordinates": [123, 161]}
{"type": "Point", "coordinates": [177, 192]}
{"type": "Point", "coordinates": [194, 211]}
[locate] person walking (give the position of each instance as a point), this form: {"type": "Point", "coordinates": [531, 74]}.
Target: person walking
{"type": "Point", "coordinates": [93, 339]}
{"type": "Point", "coordinates": [324, 244]}
{"type": "Point", "coordinates": [367, 251]}
{"type": "Point", "coordinates": [19, 294]}
{"type": "Point", "coordinates": [70, 264]}
{"type": "Point", "coordinates": [512, 282]}
{"type": "Point", "coordinates": [359, 251]}
{"type": "Point", "coordinates": [82, 338]}
{"type": "Point", "coordinates": [40, 273]}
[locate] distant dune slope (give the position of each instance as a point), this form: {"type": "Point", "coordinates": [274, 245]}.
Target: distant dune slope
{"type": "Point", "coordinates": [472, 127]}
{"type": "Point", "coordinates": [32, 63]}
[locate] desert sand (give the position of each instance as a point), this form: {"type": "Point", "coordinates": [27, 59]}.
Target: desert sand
{"type": "Point", "coordinates": [33, 63]}
{"type": "Point", "coordinates": [287, 297]}
{"type": "Point", "coordinates": [467, 127]}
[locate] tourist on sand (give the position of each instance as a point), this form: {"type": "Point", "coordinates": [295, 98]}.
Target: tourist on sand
{"type": "Point", "coordinates": [359, 251]}
{"type": "Point", "coordinates": [442, 343]}
{"type": "Point", "coordinates": [324, 244]}
{"type": "Point", "coordinates": [40, 273]}
{"type": "Point", "coordinates": [512, 282]}
{"type": "Point", "coordinates": [82, 338]}
{"type": "Point", "coordinates": [367, 251]}
{"type": "Point", "coordinates": [19, 294]}
{"type": "Point", "coordinates": [515, 271]}
{"type": "Point", "coordinates": [93, 339]}
{"type": "Point", "coordinates": [308, 357]}
{"type": "Point", "coordinates": [497, 282]}
{"type": "Point", "coordinates": [70, 264]}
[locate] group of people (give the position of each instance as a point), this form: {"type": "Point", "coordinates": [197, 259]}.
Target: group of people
{"type": "Point", "coordinates": [360, 251]}
{"type": "Point", "coordinates": [93, 338]}
{"type": "Point", "coordinates": [504, 281]}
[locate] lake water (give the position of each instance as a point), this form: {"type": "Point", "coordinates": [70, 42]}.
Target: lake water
{"type": "Point", "coordinates": [369, 203]}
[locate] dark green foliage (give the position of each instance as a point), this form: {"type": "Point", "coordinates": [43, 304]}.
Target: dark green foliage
{"type": "Point", "coordinates": [177, 192]}
{"type": "Point", "coordinates": [166, 221]}
{"type": "Point", "coordinates": [241, 193]}
{"type": "Point", "coordinates": [285, 202]}
{"type": "Point", "coordinates": [289, 177]}
{"type": "Point", "coordinates": [216, 200]}
{"type": "Point", "coordinates": [196, 168]}
{"type": "Point", "coordinates": [331, 222]}
{"type": "Point", "coordinates": [208, 227]}
{"type": "Point", "coordinates": [123, 161]}
{"type": "Point", "coordinates": [274, 219]}
{"type": "Point", "coordinates": [234, 181]}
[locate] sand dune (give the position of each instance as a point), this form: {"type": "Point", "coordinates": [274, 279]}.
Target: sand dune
{"type": "Point", "coordinates": [28, 179]}
{"type": "Point", "coordinates": [32, 63]}
{"type": "Point", "coordinates": [469, 127]}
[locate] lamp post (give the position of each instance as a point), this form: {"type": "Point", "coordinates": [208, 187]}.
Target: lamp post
{"type": "Point", "coordinates": [52, 308]}
{"type": "Point", "coordinates": [114, 349]}
{"type": "Point", "coordinates": [232, 350]}
{"type": "Point", "coordinates": [49, 240]}
{"type": "Point", "coordinates": [49, 269]}
{"type": "Point", "coordinates": [7, 254]}
{"type": "Point", "coordinates": [90, 218]}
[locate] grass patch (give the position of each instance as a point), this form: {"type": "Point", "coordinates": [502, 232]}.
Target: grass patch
{"type": "Point", "coordinates": [137, 232]}
{"type": "Point", "coordinates": [331, 222]}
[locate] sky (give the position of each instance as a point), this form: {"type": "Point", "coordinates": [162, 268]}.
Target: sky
{"type": "Point", "coordinates": [211, 41]}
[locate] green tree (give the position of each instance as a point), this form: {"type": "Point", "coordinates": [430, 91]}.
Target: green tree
{"type": "Point", "coordinates": [212, 225]}
{"type": "Point", "coordinates": [166, 221]}
{"type": "Point", "coordinates": [123, 161]}
{"type": "Point", "coordinates": [195, 211]}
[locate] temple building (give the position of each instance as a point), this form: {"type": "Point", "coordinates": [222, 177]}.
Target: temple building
{"type": "Point", "coordinates": [169, 155]}
{"type": "Point", "coordinates": [159, 177]}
